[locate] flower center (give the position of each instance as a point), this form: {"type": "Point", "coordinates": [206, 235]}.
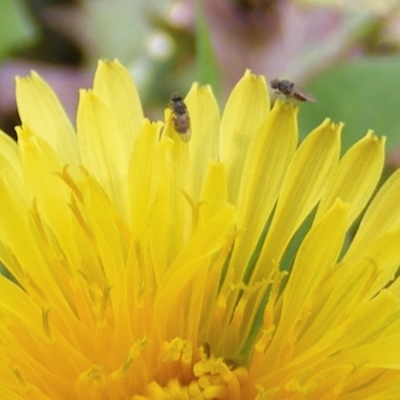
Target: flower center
{"type": "Point", "coordinates": [210, 378]}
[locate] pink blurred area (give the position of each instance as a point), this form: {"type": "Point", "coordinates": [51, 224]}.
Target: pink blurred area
{"type": "Point", "coordinates": [274, 38]}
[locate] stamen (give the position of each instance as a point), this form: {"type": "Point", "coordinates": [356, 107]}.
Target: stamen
{"type": "Point", "coordinates": [66, 177]}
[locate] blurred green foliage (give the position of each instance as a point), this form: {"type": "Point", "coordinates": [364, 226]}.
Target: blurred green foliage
{"type": "Point", "coordinates": [16, 27]}
{"type": "Point", "coordinates": [365, 94]}
{"type": "Point", "coordinates": [207, 69]}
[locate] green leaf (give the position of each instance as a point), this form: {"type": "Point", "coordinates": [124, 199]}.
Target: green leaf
{"type": "Point", "coordinates": [364, 94]}
{"type": "Point", "coordinates": [16, 28]}
{"type": "Point", "coordinates": [207, 70]}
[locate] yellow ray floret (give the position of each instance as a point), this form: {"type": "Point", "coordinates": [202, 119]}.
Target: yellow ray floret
{"type": "Point", "coordinates": [227, 266]}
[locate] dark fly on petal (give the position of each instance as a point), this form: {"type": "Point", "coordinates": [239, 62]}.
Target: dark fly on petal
{"type": "Point", "coordinates": [290, 90]}
{"type": "Point", "coordinates": [180, 115]}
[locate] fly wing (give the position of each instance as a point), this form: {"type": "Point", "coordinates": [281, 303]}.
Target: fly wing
{"type": "Point", "coordinates": [301, 95]}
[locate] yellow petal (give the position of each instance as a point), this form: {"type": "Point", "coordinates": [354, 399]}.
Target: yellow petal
{"type": "Point", "coordinates": [144, 177]}
{"type": "Point", "coordinates": [338, 302]}
{"type": "Point", "coordinates": [28, 262]}
{"type": "Point", "coordinates": [171, 219]}
{"type": "Point", "coordinates": [203, 146]}
{"type": "Point", "coordinates": [214, 193]}
{"type": "Point", "coordinates": [266, 164]}
{"type": "Point", "coordinates": [40, 109]}
{"type": "Point", "coordinates": [304, 184]}
{"type": "Point", "coordinates": [10, 153]}
{"type": "Point", "coordinates": [205, 243]}
{"type": "Point", "coordinates": [380, 355]}
{"type": "Point", "coordinates": [115, 87]}
{"type": "Point", "coordinates": [102, 149]}
{"type": "Point", "coordinates": [381, 217]}
{"type": "Point", "coordinates": [245, 110]}
{"type": "Point", "coordinates": [107, 229]}
{"type": "Point", "coordinates": [41, 169]}
{"type": "Point", "coordinates": [356, 177]}
{"type": "Point", "coordinates": [358, 330]}
{"type": "Point", "coordinates": [316, 255]}
{"type": "Point", "coordinates": [384, 255]}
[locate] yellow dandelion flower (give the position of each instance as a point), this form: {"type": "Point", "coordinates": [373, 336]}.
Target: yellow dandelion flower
{"type": "Point", "coordinates": [148, 267]}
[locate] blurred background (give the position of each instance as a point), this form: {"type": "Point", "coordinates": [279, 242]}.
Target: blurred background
{"type": "Point", "coordinates": [346, 54]}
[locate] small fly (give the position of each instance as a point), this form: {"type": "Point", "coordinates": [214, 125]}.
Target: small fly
{"type": "Point", "coordinates": [180, 115]}
{"type": "Point", "coordinates": [290, 90]}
